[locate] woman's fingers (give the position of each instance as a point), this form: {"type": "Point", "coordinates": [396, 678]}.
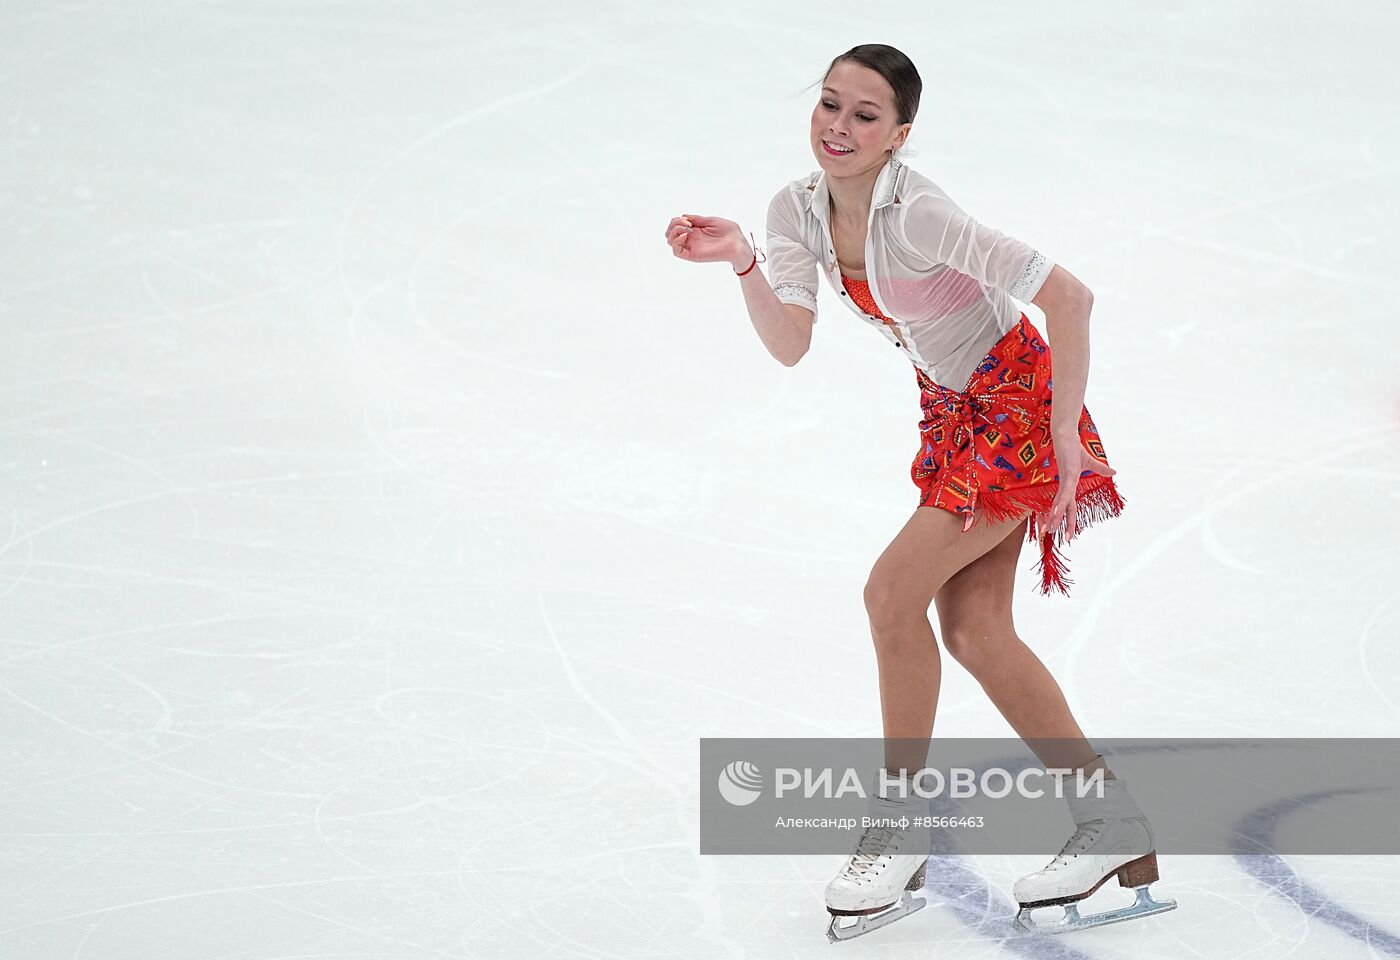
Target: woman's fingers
{"type": "Point", "coordinates": [1062, 508]}
{"type": "Point", "coordinates": [678, 224]}
{"type": "Point", "coordinates": [676, 235]}
{"type": "Point", "coordinates": [1063, 505]}
{"type": "Point", "coordinates": [679, 230]}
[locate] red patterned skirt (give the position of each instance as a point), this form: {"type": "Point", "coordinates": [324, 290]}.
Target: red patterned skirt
{"type": "Point", "coordinates": [989, 448]}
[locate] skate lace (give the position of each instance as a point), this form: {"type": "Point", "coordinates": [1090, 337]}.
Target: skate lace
{"type": "Point", "coordinates": [869, 848]}
{"type": "Point", "coordinates": [1084, 835]}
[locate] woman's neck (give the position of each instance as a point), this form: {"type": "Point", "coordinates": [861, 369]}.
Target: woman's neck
{"type": "Point", "coordinates": [852, 211]}
{"type": "Point", "coordinates": [851, 196]}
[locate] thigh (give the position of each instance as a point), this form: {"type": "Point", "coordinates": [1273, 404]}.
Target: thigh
{"type": "Point", "coordinates": [930, 550]}
{"type": "Point", "coordinates": [976, 601]}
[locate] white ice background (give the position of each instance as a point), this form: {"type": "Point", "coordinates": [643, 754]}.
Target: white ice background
{"type": "Point", "coordinates": [385, 514]}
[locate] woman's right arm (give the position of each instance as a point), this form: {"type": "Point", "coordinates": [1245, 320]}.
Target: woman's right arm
{"type": "Point", "coordinates": [782, 312]}
{"type": "Point", "coordinates": [784, 328]}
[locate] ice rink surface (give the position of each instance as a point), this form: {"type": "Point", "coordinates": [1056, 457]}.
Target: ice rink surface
{"type": "Point", "coordinates": [386, 514]}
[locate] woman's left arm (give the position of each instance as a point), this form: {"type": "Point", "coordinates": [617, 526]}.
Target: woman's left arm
{"type": "Point", "coordinates": [1066, 303]}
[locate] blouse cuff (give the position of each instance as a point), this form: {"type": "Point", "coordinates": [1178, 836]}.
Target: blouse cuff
{"type": "Point", "coordinates": [1028, 284]}
{"type": "Point", "coordinates": [790, 291]}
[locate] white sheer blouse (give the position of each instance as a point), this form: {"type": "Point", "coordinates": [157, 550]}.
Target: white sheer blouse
{"type": "Point", "coordinates": [946, 280]}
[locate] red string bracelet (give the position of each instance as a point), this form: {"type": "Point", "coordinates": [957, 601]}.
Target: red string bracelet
{"type": "Point", "coordinates": [755, 256]}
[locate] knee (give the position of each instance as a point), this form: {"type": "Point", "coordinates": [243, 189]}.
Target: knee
{"type": "Point", "coordinates": [891, 609]}
{"type": "Point", "coordinates": [979, 648]}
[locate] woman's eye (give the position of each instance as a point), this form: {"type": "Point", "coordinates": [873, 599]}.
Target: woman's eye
{"type": "Point", "coordinates": [831, 106]}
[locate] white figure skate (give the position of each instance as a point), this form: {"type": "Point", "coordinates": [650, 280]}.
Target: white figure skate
{"type": "Point", "coordinates": [874, 884]}
{"type": "Point", "coordinates": [1112, 836]}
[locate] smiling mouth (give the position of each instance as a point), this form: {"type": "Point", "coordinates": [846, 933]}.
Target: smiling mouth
{"type": "Point", "coordinates": [835, 153]}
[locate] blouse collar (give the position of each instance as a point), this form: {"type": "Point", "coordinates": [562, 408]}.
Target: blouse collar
{"type": "Point", "coordinates": [887, 182]}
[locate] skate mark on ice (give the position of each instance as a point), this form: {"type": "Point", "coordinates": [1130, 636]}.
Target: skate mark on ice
{"type": "Point", "coordinates": [983, 908]}
{"type": "Point", "coordinates": [1254, 834]}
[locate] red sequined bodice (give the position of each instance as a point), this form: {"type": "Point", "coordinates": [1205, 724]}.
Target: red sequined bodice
{"type": "Point", "coordinates": [860, 293]}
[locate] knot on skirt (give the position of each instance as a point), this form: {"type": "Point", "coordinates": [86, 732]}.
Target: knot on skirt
{"type": "Point", "coordinates": [988, 448]}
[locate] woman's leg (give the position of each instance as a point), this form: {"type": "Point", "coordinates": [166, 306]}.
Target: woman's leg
{"type": "Point", "coordinates": [927, 552]}
{"type": "Point", "coordinates": [974, 616]}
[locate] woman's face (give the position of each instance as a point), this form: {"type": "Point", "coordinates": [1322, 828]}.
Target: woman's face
{"type": "Point", "coordinates": [855, 110]}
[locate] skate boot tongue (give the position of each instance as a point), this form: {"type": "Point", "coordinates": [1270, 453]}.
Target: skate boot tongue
{"type": "Point", "coordinates": [1116, 803]}
{"type": "Point", "coordinates": [892, 802]}
{"type": "Point", "coordinates": [871, 846]}
{"type": "Point", "coordinates": [1086, 834]}
{"type": "Point", "coordinates": [890, 810]}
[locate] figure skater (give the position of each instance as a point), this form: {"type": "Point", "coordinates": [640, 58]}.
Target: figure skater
{"type": "Point", "coordinates": [942, 287]}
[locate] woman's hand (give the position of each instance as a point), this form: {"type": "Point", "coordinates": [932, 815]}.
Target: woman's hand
{"type": "Point", "coordinates": [1074, 460]}
{"type": "Point", "coordinates": [708, 240]}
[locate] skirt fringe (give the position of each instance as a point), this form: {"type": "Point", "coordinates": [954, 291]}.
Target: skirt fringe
{"type": "Point", "coordinates": [1096, 498]}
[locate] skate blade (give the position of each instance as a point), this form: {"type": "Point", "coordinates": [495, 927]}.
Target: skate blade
{"type": "Point", "coordinates": [1144, 906]}
{"type": "Point", "coordinates": [865, 923]}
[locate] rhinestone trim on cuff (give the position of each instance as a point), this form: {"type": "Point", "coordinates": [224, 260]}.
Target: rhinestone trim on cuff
{"type": "Point", "coordinates": [1033, 268]}
{"type": "Point", "coordinates": [792, 288]}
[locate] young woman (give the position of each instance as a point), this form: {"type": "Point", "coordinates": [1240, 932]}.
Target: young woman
{"type": "Point", "coordinates": [994, 449]}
